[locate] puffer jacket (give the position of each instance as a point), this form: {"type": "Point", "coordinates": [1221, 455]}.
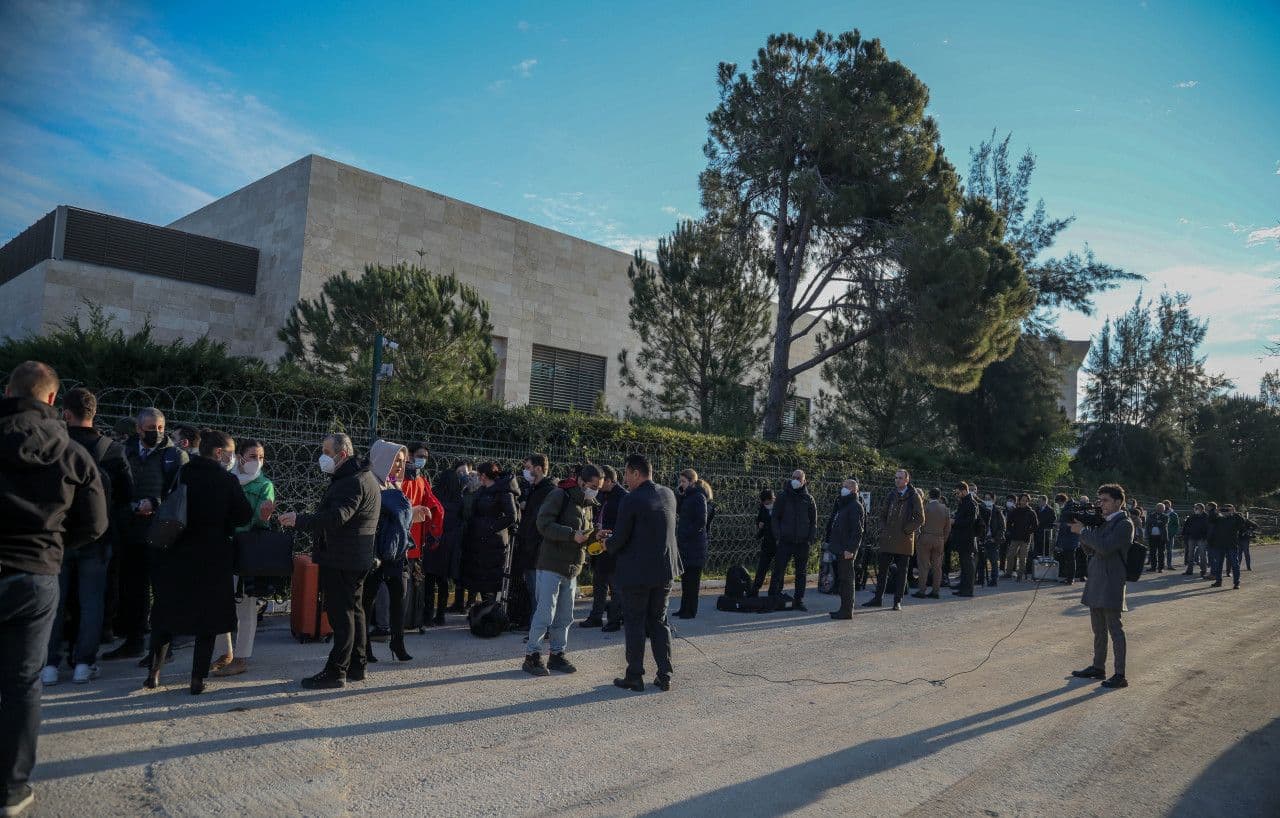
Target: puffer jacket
{"type": "Point", "coordinates": [345, 524]}
{"type": "Point", "coordinates": [563, 514]}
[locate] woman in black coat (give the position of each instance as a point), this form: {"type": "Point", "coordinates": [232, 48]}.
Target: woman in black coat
{"type": "Point", "coordinates": [691, 538]}
{"type": "Point", "coordinates": [764, 533]}
{"type": "Point", "coordinates": [445, 560]}
{"type": "Point", "coordinates": [493, 513]}
{"type": "Point", "coordinates": [192, 579]}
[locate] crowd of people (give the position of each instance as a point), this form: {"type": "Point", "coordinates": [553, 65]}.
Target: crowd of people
{"type": "Point", "coordinates": [80, 566]}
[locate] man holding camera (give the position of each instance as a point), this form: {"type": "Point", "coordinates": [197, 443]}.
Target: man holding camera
{"type": "Point", "coordinates": [1106, 541]}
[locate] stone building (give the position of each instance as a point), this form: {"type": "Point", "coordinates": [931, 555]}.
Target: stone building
{"type": "Point", "coordinates": [234, 269]}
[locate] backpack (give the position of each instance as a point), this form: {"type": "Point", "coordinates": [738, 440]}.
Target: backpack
{"type": "Point", "coordinates": [737, 583]}
{"type": "Point", "coordinates": [1135, 561]}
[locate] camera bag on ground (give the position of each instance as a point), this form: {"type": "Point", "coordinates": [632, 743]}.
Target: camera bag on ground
{"type": "Point", "coordinates": [488, 619]}
{"type": "Point", "coordinates": [737, 583]}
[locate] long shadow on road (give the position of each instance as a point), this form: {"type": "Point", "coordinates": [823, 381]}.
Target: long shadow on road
{"type": "Point", "coordinates": [130, 758]}
{"type": "Point", "coordinates": [795, 787]}
{"type": "Point", "coordinates": [1240, 782]}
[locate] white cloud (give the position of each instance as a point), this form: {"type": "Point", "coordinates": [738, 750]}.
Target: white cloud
{"type": "Point", "coordinates": [578, 214]}
{"type": "Point", "coordinates": [1183, 220]}
{"type": "Point", "coordinates": [83, 88]}
{"type": "Point", "coordinates": [498, 86]}
{"type": "Point", "coordinates": [1235, 228]}
{"type": "Point", "coordinates": [523, 25]}
{"type": "Point", "coordinates": [1278, 168]}
{"type": "Point", "coordinates": [1264, 235]}
{"type": "Point", "coordinates": [525, 67]}
{"type": "Point", "coordinates": [1187, 84]}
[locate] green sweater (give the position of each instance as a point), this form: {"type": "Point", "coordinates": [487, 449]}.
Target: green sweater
{"type": "Point", "coordinates": [257, 491]}
{"type": "Point", "coordinates": [564, 513]}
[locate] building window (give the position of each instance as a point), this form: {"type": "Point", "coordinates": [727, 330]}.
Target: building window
{"type": "Point", "coordinates": [795, 419]}
{"type": "Point", "coordinates": [565, 380]}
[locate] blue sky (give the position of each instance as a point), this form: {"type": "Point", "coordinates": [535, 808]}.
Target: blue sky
{"type": "Point", "coordinates": [1156, 123]}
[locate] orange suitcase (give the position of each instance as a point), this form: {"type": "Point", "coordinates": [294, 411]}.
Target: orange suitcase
{"type": "Point", "coordinates": [307, 618]}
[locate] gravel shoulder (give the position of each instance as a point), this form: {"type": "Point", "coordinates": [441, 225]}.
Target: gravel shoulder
{"type": "Point", "coordinates": [461, 731]}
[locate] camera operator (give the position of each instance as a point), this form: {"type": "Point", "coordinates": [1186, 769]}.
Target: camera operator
{"type": "Point", "coordinates": [1106, 541]}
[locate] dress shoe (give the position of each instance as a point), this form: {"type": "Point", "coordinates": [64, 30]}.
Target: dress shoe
{"type": "Point", "coordinates": [933, 595]}
{"type": "Point", "coordinates": [591, 622]}
{"type": "Point", "coordinates": [1090, 673]}
{"type": "Point", "coordinates": [662, 681]}
{"type": "Point", "coordinates": [897, 606]}
{"type": "Point", "coordinates": [636, 685]}
{"type": "Point", "coordinates": [197, 686]}
{"type": "Point", "coordinates": [233, 668]}
{"type": "Point", "coordinates": [356, 672]}
{"type": "Point", "coordinates": [798, 605]}
{"type": "Point", "coordinates": [1216, 584]}
{"type": "Point", "coordinates": [1116, 681]}
{"type": "Point", "coordinates": [920, 595]}
{"type": "Point", "coordinates": [959, 593]}
{"type": "Point", "coordinates": [841, 615]}
{"type": "Point", "coordinates": [325, 680]}
{"type": "Point", "coordinates": [875, 602]}
{"type": "Point", "coordinates": [612, 627]}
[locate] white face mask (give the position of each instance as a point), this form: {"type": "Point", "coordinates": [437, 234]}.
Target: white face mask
{"type": "Point", "coordinates": [989, 503]}
{"type": "Point", "coordinates": [1008, 504]}
{"type": "Point", "coordinates": [527, 475]}
{"type": "Point", "coordinates": [230, 463]}
{"type": "Point", "coordinates": [250, 469]}
{"type": "Point", "coordinates": [590, 494]}
{"type": "Point", "coordinates": [796, 484]}
{"type": "Point", "coordinates": [419, 463]}
{"type": "Point", "coordinates": [327, 464]}
{"type": "Point", "coordinates": [845, 492]}
{"type": "Point", "coordinates": [769, 506]}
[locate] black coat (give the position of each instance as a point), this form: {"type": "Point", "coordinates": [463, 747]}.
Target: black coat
{"type": "Point", "coordinates": [117, 478]}
{"type": "Point", "coordinates": [844, 532]}
{"type": "Point", "coordinates": [484, 552]}
{"type": "Point", "coordinates": [345, 525]}
{"type": "Point", "coordinates": [965, 526]}
{"type": "Point", "coordinates": [194, 590]}
{"type": "Point", "coordinates": [645, 538]}
{"type": "Point", "coordinates": [610, 502]}
{"type": "Point", "coordinates": [691, 527]}
{"type": "Point", "coordinates": [51, 496]}
{"type": "Point", "coordinates": [527, 537]}
{"type": "Point", "coordinates": [795, 516]}
{"type": "Point", "coordinates": [1196, 527]}
{"type": "Point", "coordinates": [764, 529]}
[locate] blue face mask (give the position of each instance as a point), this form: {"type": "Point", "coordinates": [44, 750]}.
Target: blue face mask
{"type": "Point", "coordinates": [419, 463]}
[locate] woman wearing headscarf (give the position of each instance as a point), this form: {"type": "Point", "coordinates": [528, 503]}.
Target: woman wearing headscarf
{"type": "Point", "coordinates": [386, 462]}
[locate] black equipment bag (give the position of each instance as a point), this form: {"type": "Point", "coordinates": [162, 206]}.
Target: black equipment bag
{"type": "Point", "coordinates": [1135, 561]}
{"type": "Point", "coordinates": [263, 553]}
{"type": "Point", "coordinates": [489, 619]}
{"type": "Point", "coordinates": [737, 583]}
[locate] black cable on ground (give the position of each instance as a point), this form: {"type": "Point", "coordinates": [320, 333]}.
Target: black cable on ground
{"type": "Point", "coordinates": [803, 679]}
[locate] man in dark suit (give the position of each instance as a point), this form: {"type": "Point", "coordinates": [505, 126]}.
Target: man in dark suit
{"type": "Point", "coordinates": [644, 543]}
{"type": "Point", "coordinates": [963, 530]}
{"type": "Point", "coordinates": [1104, 591]}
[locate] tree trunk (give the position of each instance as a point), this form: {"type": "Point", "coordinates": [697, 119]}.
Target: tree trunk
{"type": "Point", "coordinates": [779, 379]}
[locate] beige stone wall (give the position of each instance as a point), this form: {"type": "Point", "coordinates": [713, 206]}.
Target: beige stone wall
{"type": "Point", "coordinates": [22, 304]}
{"type": "Point", "coordinates": [176, 309]}
{"type": "Point", "coordinates": [269, 214]}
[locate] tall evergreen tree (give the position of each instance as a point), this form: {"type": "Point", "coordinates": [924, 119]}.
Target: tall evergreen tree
{"type": "Point", "coordinates": [824, 153]}
{"type": "Point", "coordinates": [441, 325]}
{"type": "Point", "coordinates": [701, 314]}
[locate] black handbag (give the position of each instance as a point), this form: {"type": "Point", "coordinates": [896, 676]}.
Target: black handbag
{"type": "Point", "coordinates": [170, 519]}
{"type": "Point", "coordinates": [264, 553]}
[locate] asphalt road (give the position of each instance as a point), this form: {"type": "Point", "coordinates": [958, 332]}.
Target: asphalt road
{"type": "Point", "coordinates": [461, 731]}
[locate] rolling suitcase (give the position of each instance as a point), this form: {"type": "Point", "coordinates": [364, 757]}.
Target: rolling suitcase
{"type": "Point", "coordinates": [307, 619]}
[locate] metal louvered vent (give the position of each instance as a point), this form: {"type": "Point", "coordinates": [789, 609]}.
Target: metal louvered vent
{"type": "Point", "coordinates": [28, 248]}
{"type": "Point", "coordinates": [160, 251]}
{"type": "Point", "coordinates": [565, 380]}
{"type": "Point", "coordinates": [795, 420]}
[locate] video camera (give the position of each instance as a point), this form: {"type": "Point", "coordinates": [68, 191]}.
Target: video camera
{"type": "Point", "coordinates": [1089, 516]}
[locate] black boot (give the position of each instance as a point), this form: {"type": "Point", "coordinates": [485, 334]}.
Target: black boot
{"type": "Point", "coordinates": [628, 683]}
{"type": "Point", "coordinates": [157, 661]}
{"type": "Point", "coordinates": [591, 621]}
{"type": "Point", "coordinates": [398, 651]}
{"type": "Point", "coordinates": [368, 653]}
{"type": "Point", "coordinates": [197, 685]}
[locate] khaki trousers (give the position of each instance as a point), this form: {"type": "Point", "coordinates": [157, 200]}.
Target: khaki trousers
{"type": "Point", "coordinates": [929, 559]}
{"type": "Point", "coordinates": [1016, 563]}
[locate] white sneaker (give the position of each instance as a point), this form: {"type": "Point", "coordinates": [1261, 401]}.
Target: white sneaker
{"type": "Point", "coordinates": [85, 673]}
{"type": "Point", "coordinates": [49, 676]}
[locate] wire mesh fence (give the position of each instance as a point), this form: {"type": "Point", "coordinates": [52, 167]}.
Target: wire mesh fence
{"type": "Point", "coordinates": [290, 428]}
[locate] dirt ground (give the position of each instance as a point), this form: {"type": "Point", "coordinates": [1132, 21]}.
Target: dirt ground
{"type": "Point", "coordinates": [461, 731]}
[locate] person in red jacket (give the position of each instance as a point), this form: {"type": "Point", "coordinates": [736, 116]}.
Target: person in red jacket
{"type": "Point", "coordinates": [428, 533]}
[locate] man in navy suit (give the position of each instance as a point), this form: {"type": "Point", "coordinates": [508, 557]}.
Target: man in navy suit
{"type": "Point", "coordinates": [644, 542]}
